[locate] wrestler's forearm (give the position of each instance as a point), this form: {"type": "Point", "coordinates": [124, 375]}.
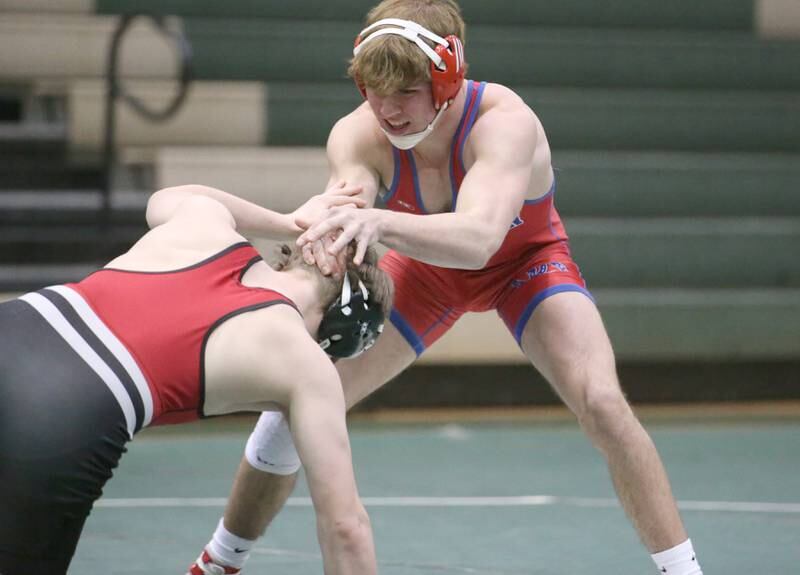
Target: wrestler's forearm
{"type": "Point", "coordinates": [449, 240]}
{"type": "Point", "coordinates": [347, 547]}
{"type": "Point", "coordinates": [251, 219]}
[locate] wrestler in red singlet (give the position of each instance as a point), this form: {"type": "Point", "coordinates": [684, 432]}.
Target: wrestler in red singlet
{"type": "Point", "coordinates": [533, 262]}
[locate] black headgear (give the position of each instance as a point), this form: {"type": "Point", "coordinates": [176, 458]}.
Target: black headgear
{"type": "Point", "coordinates": [351, 324]}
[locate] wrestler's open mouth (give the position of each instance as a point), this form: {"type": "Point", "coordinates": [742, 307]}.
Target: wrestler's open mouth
{"type": "Point", "coordinates": [396, 127]}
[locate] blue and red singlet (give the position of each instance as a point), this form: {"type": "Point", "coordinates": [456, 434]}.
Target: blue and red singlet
{"type": "Point", "coordinates": [532, 263]}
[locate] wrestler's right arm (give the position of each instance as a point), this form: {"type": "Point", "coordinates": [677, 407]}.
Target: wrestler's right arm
{"type": "Point", "coordinates": [302, 379]}
{"type": "Point", "coordinates": [319, 431]}
{"type": "Point", "coordinates": [354, 153]}
{"type": "Point", "coordinates": [353, 156]}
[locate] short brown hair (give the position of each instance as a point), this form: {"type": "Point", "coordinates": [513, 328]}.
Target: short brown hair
{"type": "Point", "coordinates": [377, 282]}
{"type": "Point", "coordinates": [391, 63]}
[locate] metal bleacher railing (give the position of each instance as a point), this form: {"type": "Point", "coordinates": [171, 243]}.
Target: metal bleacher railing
{"type": "Point", "coordinates": [115, 89]}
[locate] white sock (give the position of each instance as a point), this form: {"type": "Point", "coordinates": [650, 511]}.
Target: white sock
{"type": "Point", "coordinates": [229, 549]}
{"type": "Point", "coordinates": [680, 560]}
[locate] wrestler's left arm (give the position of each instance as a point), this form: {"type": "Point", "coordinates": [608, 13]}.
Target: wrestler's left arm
{"type": "Point", "coordinates": [250, 219]}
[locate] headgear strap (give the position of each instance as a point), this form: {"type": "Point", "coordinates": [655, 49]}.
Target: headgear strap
{"type": "Point", "coordinates": [447, 58]}
{"type": "Point", "coordinates": [352, 323]}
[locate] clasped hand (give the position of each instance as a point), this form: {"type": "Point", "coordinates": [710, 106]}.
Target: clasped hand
{"type": "Point", "coordinates": [331, 221]}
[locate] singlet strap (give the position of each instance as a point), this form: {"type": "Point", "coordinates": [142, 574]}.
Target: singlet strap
{"type": "Point", "coordinates": [468, 117]}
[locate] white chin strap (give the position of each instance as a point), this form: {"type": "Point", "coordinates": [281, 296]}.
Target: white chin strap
{"type": "Point", "coordinates": [413, 32]}
{"type": "Point", "coordinates": [408, 141]}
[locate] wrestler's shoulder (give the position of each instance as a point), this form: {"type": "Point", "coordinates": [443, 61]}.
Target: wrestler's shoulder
{"type": "Point", "coordinates": [359, 128]}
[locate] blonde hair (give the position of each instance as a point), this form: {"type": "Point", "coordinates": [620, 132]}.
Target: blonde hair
{"type": "Point", "coordinates": [377, 282]}
{"type": "Point", "coordinates": [391, 63]}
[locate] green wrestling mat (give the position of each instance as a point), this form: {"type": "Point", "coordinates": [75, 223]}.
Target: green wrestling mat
{"type": "Point", "coordinates": [501, 498]}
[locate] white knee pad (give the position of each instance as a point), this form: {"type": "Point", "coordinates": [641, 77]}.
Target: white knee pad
{"type": "Point", "coordinates": [270, 447]}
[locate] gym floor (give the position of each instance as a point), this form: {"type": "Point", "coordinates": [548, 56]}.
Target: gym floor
{"type": "Point", "coordinates": [488, 493]}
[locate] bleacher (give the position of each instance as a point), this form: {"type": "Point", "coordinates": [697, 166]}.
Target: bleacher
{"type": "Point", "coordinates": [675, 129]}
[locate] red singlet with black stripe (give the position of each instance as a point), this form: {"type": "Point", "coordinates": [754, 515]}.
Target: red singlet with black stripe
{"type": "Point", "coordinates": [164, 319]}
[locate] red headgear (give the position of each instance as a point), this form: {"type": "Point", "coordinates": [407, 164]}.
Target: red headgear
{"type": "Point", "coordinates": [447, 57]}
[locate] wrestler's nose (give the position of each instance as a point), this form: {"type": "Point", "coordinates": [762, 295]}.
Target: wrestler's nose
{"type": "Point", "coordinates": [389, 107]}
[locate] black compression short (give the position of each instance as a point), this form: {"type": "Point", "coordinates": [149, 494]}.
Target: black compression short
{"type": "Point", "coordinates": [62, 433]}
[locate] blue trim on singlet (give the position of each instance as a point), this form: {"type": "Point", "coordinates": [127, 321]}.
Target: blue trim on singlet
{"type": "Point", "coordinates": [453, 186]}
{"type": "Point", "coordinates": [396, 177]}
{"type": "Point", "coordinates": [550, 223]}
{"type": "Point", "coordinates": [539, 298]}
{"type": "Point", "coordinates": [550, 212]}
{"type": "Point", "coordinates": [415, 176]}
{"type": "Point", "coordinates": [470, 123]}
{"type": "Point", "coordinates": [407, 332]}
{"type": "Point", "coordinates": [439, 321]}
{"type": "Point", "coordinates": [550, 192]}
